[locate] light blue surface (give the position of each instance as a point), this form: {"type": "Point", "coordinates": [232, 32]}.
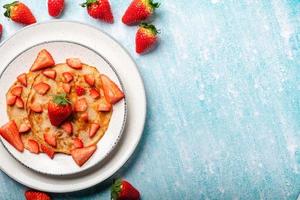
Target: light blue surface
{"type": "Point", "coordinates": [223, 89]}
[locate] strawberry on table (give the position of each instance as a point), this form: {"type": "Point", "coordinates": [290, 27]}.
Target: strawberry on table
{"type": "Point", "coordinates": [42, 61]}
{"type": "Point", "coordinates": [81, 105]}
{"type": "Point", "coordinates": [50, 138]}
{"type": "Point", "coordinates": [22, 78]}
{"type": "Point", "coordinates": [93, 129]}
{"type": "Point", "coordinates": [99, 9]}
{"type": "Point", "coordinates": [75, 63]}
{"type": "Point", "coordinates": [1, 30]}
{"type": "Point", "coordinates": [123, 190]}
{"type": "Point", "coordinates": [68, 127]}
{"type": "Point", "coordinates": [19, 12]}
{"type": "Point", "coordinates": [55, 7]}
{"type": "Point", "coordinates": [36, 195]}
{"type": "Point", "coordinates": [41, 88]}
{"type": "Point", "coordinates": [59, 109]}
{"type": "Point", "coordinates": [33, 146]}
{"type": "Point", "coordinates": [50, 73]}
{"type": "Point", "coordinates": [81, 155]}
{"type": "Point", "coordinates": [19, 103]}
{"type": "Point", "coordinates": [138, 11]}
{"type": "Point", "coordinates": [11, 134]}
{"type": "Point", "coordinates": [17, 91]}
{"type": "Point", "coordinates": [47, 150]}
{"type": "Point", "coordinates": [112, 92]}
{"type": "Point", "coordinates": [146, 38]}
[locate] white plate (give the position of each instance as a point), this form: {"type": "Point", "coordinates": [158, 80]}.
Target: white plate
{"type": "Point", "coordinates": [134, 89]}
{"type": "Point", "coordinates": [60, 50]}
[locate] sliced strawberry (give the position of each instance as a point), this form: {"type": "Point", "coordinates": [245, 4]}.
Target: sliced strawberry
{"type": "Point", "coordinates": [24, 127]}
{"type": "Point", "coordinates": [11, 134]}
{"type": "Point", "coordinates": [67, 88]}
{"type": "Point", "coordinates": [77, 143]}
{"type": "Point", "coordinates": [41, 88]}
{"type": "Point", "coordinates": [17, 91]}
{"type": "Point", "coordinates": [33, 146]}
{"type": "Point", "coordinates": [89, 79]}
{"type": "Point", "coordinates": [104, 106]}
{"type": "Point", "coordinates": [43, 60]}
{"type": "Point", "coordinates": [74, 63]}
{"type": "Point", "coordinates": [49, 151]}
{"type": "Point", "coordinates": [112, 92]}
{"type": "Point", "coordinates": [93, 129]}
{"type": "Point", "coordinates": [19, 102]}
{"type": "Point", "coordinates": [68, 127]}
{"type": "Point", "coordinates": [80, 156]}
{"type": "Point", "coordinates": [80, 105]}
{"type": "Point", "coordinates": [36, 108]}
{"type": "Point", "coordinates": [80, 90]}
{"type": "Point", "coordinates": [11, 99]}
{"type": "Point", "coordinates": [36, 195]}
{"type": "Point", "coordinates": [94, 93]}
{"type": "Point", "coordinates": [101, 92]}
{"type": "Point", "coordinates": [22, 78]}
{"type": "Point", "coordinates": [50, 138]}
{"type": "Point", "coordinates": [84, 117]}
{"type": "Point", "coordinates": [68, 77]}
{"type": "Point", "coordinates": [50, 73]}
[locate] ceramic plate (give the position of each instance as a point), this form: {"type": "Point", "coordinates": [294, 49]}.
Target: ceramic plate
{"type": "Point", "coordinates": [102, 49]}
{"type": "Point", "coordinates": [60, 50]}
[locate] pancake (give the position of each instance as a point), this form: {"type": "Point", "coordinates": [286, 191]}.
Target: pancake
{"type": "Point", "coordinates": [40, 123]}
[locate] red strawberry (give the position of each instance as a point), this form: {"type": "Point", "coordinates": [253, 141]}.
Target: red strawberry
{"type": "Point", "coordinates": [94, 93]}
{"type": "Point", "coordinates": [22, 78]}
{"type": "Point", "coordinates": [146, 38]}
{"type": "Point", "coordinates": [84, 117]}
{"type": "Point", "coordinates": [99, 9]}
{"type": "Point", "coordinates": [36, 108]}
{"type": "Point", "coordinates": [104, 106]}
{"type": "Point", "coordinates": [41, 88]}
{"type": "Point", "coordinates": [50, 138]}
{"type": "Point", "coordinates": [77, 143]}
{"type": "Point", "coordinates": [75, 63]}
{"type": "Point", "coordinates": [59, 109]}
{"type": "Point", "coordinates": [11, 134]}
{"type": "Point", "coordinates": [138, 11]}
{"type": "Point", "coordinates": [68, 127]}
{"type": "Point", "coordinates": [33, 146]}
{"type": "Point", "coordinates": [19, 103]}
{"type": "Point", "coordinates": [68, 77]}
{"type": "Point", "coordinates": [111, 91]}
{"type": "Point", "coordinates": [35, 195]}
{"type": "Point", "coordinates": [89, 79]}
{"type": "Point", "coordinates": [19, 13]}
{"type": "Point", "coordinates": [50, 73]}
{"type": "Point", "coordinates": [42, 61]}
{"type": "Point", "coordinates": [24, 127]}
{"type": "Point", "coordinates": [123, 190]}
{"type": "Point", "coordinates": [93, 129]}
{"type": "Point", "coordinates": [81, 105]}
{"type": "Point", "coordinates": [67, 88]}
{"type": "Point", "coordinates": [80, 156]}
{"type": "Point", "coordinates": [49, 151]}
{"type": "Point", "coordinates": [55, 7]}
{"type": "Point", "coordinates": [80, 90]}
{"type": "Point", "coordinates": [11, 99]}
{"type": "Point", "coordinates": [17, 91]}
{"type": "Point", "coordinates": [1, 30]}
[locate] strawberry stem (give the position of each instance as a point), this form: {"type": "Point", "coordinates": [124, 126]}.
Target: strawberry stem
{"type": "Point", "coordinates": [116, 189]}
{"type": "Point", "coordinates": [154, 4]}
{"type": "Point", "coordinates": [61, 99]}
{"type": "Point", "coordinates": [8, 8]}
{"type": "Point", "coordinates": [88, 3]}
{"type": "Point", "coordinates": [150, 27]}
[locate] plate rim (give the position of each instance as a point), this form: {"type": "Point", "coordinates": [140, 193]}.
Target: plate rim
{"type": "Point", "coordinates": [132, 150]}
{"type": "Point", "coordinates": [115, 143]}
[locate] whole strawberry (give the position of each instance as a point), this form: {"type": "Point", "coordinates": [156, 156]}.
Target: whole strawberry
{"type": "Point", "coordinates": [59, 109]}
{"type": "Point", "coordinates": [99, 9]}
{"type": "Point", "coordinates": [146, 38]}
{"type": "Point", "coordinates": [123, 190]}
{"type": "Point", "coordinates": [19, 12]}
{"type": "Point", "coordinates": [55, 7]}
{"type": "Point", "coordinates": [35, 195]}
{"type": "Point", "coordinates": [138, 11]}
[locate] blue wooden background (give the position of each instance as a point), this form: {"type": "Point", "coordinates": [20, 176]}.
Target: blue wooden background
{"type": "Point", "coordinates": [223, 88]}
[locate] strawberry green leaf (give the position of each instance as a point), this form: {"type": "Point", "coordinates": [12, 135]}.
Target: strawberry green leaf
{"type": "Point", "coordinates": [61, 99]}
{"type": "Point", "coordinates": [116, 189]}
{"type": "Point", "coordinates": [88, 3]}
{"type": "Point", "coordinates": [8, 8]}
